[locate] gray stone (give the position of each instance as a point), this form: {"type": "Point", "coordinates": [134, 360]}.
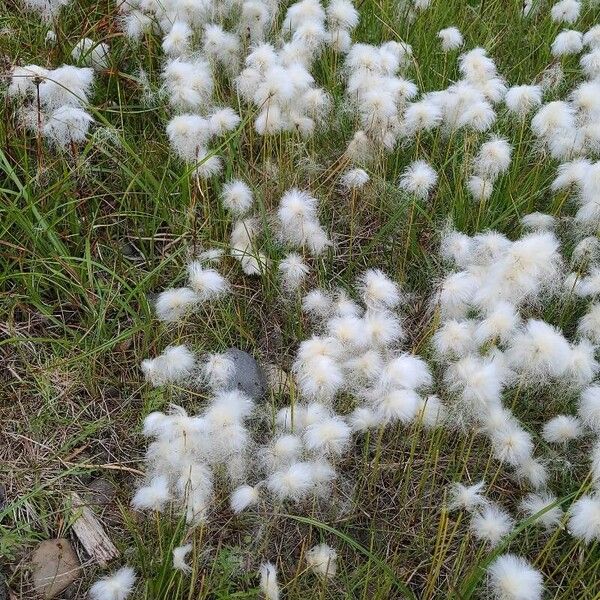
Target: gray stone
{"type": "Point", "coordinates": [54, 566]}
{"type": "Point", "coordinates": [100, 492]}
{"type": "Point", "coordinates": [248, 376]}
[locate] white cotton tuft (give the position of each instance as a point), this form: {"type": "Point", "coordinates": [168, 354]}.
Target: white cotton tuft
{"type": "Point", "coordinates": [175, 364]}
{"type": "Point", "coordinates": [480, 188]}
{"type": "Point", "coordinates": [179, 555]}
{"type": "Point", "coordinates": [584, 519]}
{"type": "Point", "coordinates": [537, 221]}
{"type": "Point", "coordinates": [493, 158]}
{"type": "Point", "coordinates": [362, 419]}
{"type": "Point", "coordinates": [398, 405]}
{"type": "Point", "coordinates": [589, 407]}
{"type": "Point", "coordinates": [431, 412]}
{"type": "Point", "coordinates": [330, 436]}
{"type": "Point", "coordinates": [589, 324]}
{"type": "Point", "coordinates": [207, 283]}
{"type": "Point", "coordinates": [378, 290]}
{"type": "Point", "coordinates": [153, 496]}
{"type": "Point", "coordinates": [562, 429]}
{"type": "Point", "coordinates": [567, 42]}
{"type": "Point", "coordinates": [67, 125]}
{"type": "Point", "coordinates": [91, 54]}
{"type": "Point", "coordinates": [268, 581]}
{"type": "Point", "coordinates": [513, 578]}
{"type": "Point", "coordinates": [466, 497]}
{"type": "Point", "coordinates": [341, 14]}
{"type": "Point", "coordinates": [491, 524]}
{"type": "Point", "coordinates": [175, 303]}
{"type": "Point", "coordinates": [117, 586]}
{"type": "Point", "coordinates": [521, 99]}
{"type": "Point", "coordinates": [223, 121]}
{"type": "Point", "coordinates": [322, 559]}
{"type": "Point", "coordinates": [317, 303]}
{"type": "Point", "coordinates": [419, 178]}
{"type": "Point", "coordinates": [451, 38]}
{"type": "Point", "coordinates": [177, 41]}
{"type": "Point", "coordinates": [237, 197]}
{"type": "Point", "coordinates": [354, 179]}
{"type": "Point", "coordinates": [566, 11]}
{"type": "Point", "coordinates": [533, 504]}
{"type": "Point", "coordinates": [243, 497]}
{"type": "Point", "coordinates": [294, 482]}
{"type": "Point", "coordinates": [293, 271]}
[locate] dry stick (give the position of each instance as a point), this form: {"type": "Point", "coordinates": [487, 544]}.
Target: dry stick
{"type": "Point", "coordinates": [91, 534]}
{"type": "Point", "coordinates": [108, 466]}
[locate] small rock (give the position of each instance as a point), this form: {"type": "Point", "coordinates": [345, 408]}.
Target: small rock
{"type": "Point", "coordinates": [248, 376]}
{"type": "Point", "coordinates": [54, 567]}
{"type": "Point", "coordinates": [100, 492]}
{"type": "Point", "coordinates": [3, 588]}
{"type": "Point", "coordinates": [278, 380]}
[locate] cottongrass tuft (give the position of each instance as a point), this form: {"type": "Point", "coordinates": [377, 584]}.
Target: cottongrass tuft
{"type": "Point", "coordinates": [322, 560]}
{"type": "Point", "coordinates": [532, 504]}
{"type": "Point", "coordinates": [584, 519]}
{"type": "Point", "coordinates": [179, 555]}
{"type": "Point", "coordinates": [243, 497]}
{"type": "Point", "coordinates": [491, 524]}
{"type": "Point", "coordinates": [117, 586]}
{"type": "Point", "coordinates": [513, 578]}
{"type": "Point", "coordinates": [419, 178]}
{"type": "Point", "coordinates": [268, 581]}
{"type": "Point", "coordinates": [466, 497]}
{"type": "Point", "coordinates": [562, 429]}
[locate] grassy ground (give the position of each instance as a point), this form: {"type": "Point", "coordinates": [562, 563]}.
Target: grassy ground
{"type": "Point", "coordinates": [87, 239]}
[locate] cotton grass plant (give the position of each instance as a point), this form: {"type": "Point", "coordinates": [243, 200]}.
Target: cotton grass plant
{"type": "Point", "coordinates": [394, 208]}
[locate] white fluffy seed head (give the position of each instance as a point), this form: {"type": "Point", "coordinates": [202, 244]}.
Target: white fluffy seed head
{"type": "Point", "coordinates": [341, 14]}
{"type": "Point", "coordinates": [153, 496]}
{"type": "Point", "coordinates": [175, 303]}
{"type": "Point", "coordinates": [562, 429]}
{"type": "Point", "coordinates": [451, 38]}
{"type": "Point", "coordinates": [467, 497]}
{"type": "Point", "coordinates": [218, 369]}
{"type": "Point", "coordinates": [532, 504]}
{"type": "Point", "coordinates": [117, 586]}
{"type": "Point", "coordinates": [584, 519]}
{"type": "Point", "coordinates": [330, 436]}
{"type": "Point", "coordinates": [91, 54]}
{"type": "Point", "coordinates": [589, 407]}
{"type": "Point", "coordinates": [175, 364]}
{"type": "Point", "coordinates": [317, 303]}
{"type": "Point", "coordinates": [322, 560]}
{"type": "Point", "coordinates": [294, 482]}
{"type": "Point", "coordinates": [243, 497]}
{"type": "Point", "coordinates": [419, 178]}
{"type": "Point", "coordinates": [268, 581]}
{"type": "Point", "coordinates": [491, 524]}
{"type": "Point", "coordinates": [513, 578]}
{"type": "Point", "coordinates": [566, 11]}
{"type": "Point", "coordinates": [207, 283]}
{"type": "Point", "coordinates": [354, 179]}
{"type": "Point", "coordinates": [378, 290]}
{"type": "Point", "coordinates": [293, 271]}
{"type": "Point", "coordinates": [493, 158]}
{"type": "Point", "coordinates": [512, 444]}
{"type": "Point", "coordinates": [521, 99]}
{"type": "Point", "coordinates": [567, 42]}
{"type": "Point", "coordinates": [179, 555]}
